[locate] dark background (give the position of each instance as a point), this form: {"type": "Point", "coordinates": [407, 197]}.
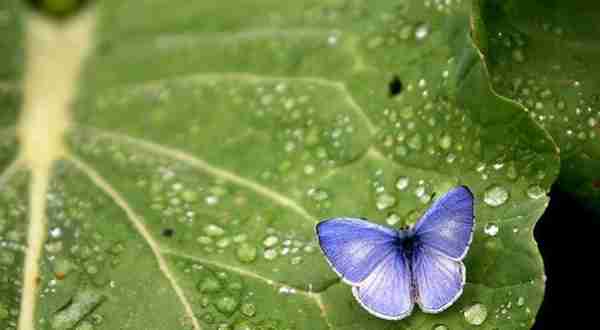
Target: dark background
{"type": "Point", "coordinates": [568, 236]}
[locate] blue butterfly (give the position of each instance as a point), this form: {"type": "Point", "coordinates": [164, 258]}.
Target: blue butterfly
{"type": "Point", "coordinates": [391, 270]}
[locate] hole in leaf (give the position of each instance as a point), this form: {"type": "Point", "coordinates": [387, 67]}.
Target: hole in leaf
{"type": "Point", "coordinates": [395, 86]}
{"type": "Point", "coordinates": [168, 232]}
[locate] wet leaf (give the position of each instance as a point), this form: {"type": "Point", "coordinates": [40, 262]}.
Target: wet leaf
{"type": "Point", "coordinates": [542, 55]}
{"type": "Point", "coordinates": [208, 141]}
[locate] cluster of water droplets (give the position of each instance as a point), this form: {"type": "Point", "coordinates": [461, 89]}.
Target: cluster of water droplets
{"type": "Point", "coordinates": [13, 219]}
{"type": "Point", "coordinates": [569, 111]}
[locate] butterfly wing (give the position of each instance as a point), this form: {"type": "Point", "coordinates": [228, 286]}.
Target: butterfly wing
{"type": "Point", "coordinates": [447, 226]}
{"type": "Point", "coordinates": [354, 247]}
{"type": "Point", "coordinates": [387, 291]}
{"type": "Point", "coordinates": [439, 280]}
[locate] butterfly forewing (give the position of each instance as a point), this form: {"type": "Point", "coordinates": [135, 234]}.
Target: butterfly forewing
{"type": "Point", "coordinates": [354, 247]}
{"type": "Point", "coordinates": [438, 280]}
{"type": "Point", "coordinates": [387, 291]}
{"type": "Point", "coordinates": [447, 226]}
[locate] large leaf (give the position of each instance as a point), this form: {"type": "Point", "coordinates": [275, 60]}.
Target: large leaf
{"type": "Point", "coordinates": [210, 138]}
{"type": "Point", "coordinates": [543, 55]}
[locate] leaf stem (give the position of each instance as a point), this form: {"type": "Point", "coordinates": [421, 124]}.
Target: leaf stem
{"type": "Point", "coordinates": [54, 56]}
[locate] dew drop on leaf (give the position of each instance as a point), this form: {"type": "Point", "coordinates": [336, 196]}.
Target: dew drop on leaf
{"type": "Point", "coordinates": [392, 219]}
{"type": "Point", "coordinates": [495, 195]}
{"type": "Point", "coordinates": [227, 305]}
{"type": "Point", "coordinates": [214, 230]}
{"type": "Point", "coordinates": [246, 253]}
{"type": "Point", "coordinates": [491, 229]}
{"type": "Point", "coordinates": [440, 327]}
{"type": "Point", "coordinates": [385, 201]}
{"type": "Point", "coordinates": [475, 314]}
{"type": "Point", "coordinates": [535, 192]}
{"type": "Point", "coordinates": [209, 285]}
{"type": "Point", "coordinates": [402, 182]}
{"type": "Point", "coordinates": [248, 309]}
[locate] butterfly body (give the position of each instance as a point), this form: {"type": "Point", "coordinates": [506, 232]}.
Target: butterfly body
{"type": "Point", "coordinates": [392, 270]}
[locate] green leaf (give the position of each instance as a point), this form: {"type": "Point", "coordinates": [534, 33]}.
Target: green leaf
{"type": "Point", "coordinates": [208, 140]}
{"type": "Point", "coordinates": [541, 54]}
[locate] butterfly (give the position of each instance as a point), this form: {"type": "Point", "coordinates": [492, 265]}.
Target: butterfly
{"type": "Point", "coordinates": [390, 270]}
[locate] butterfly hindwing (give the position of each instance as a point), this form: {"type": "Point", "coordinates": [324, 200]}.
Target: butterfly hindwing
{"type": "Point", "coordinates": [354, 247]}
{"type": "Point", "coordinates": [387, 292]}
{"type": "Point", "coordinates": [438, 280]}
{"type": "Point", "coordinates": [447, 226]}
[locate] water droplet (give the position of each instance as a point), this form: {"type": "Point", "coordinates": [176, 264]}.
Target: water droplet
{"type": "Point", "coordinates": [535, 192]}
{"type": "Point", "coordinates": [385, 201]}
{"type": "Point", "coordinates": [271, 241]}
{"type": "Point", "coordinates": [248, 309]}
{"type": "Point", "coordinates": [214, 230]}
{"type": "Point", "coordinates": [476, 314]}
{"type": "Point", "coordinates": [439, 327]}
{"type": "Point", "coordinates": [402, 182]}
{"type": "Point", "coordinates": [226, 305]}
{"type": "Point", "coordinates": [392, 219]}
{"type": "Point", "coordinates": [495, 195]}
{"type": "Point", "coordinates": [83, 303]}
{"type": "Point", "coordinates": [270, 254]}
{"type": "Point", "coordinates": [246, 253]}
{"type": "Point", "coordinates": [520, 301]}
{"type": "Point", "coordinates": [445, 142]}
{"type": "Point", "coordinates": [318, 194]}
{"type": "Point", "coordinates": [491, 229]}
{"type": "Point", "coordinates": [421, 31]}
{"type": "Point", "coordinates": [209, 285]}
{"type": "Point", "coordinates": [223, 242]}
{"type": "Point", "coordinates": [296, 260]}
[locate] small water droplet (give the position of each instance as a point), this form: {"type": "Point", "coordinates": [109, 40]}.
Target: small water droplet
{"type": "Point", "coordinates": [476, 314]}
{"type": "Point", "coordinates": [421, 31]}
{"type": "Point", "coordinates": [520, 301]}
{"type": "Point", "coordinates": [445, 142]}
{"type": "Point", "coordinates": [535, 192]}
{"type": "Point", "coordinates": [495, 195]}
{"type": "Point", "coordinates": [246, 253]}
{"type": "Point", "coordinates": [296, 260]}
{"type": "Point", "coordinates": [402, 182]}
{"type": "Point", "coordinates": [440, 327]}
{"type": "Point", "coordinates": [213, 230]}
{"type": "Point", "coordinates": [270, 254]}
{"type": "Point", "coordinates": [385, 201]}
{"type": "Point", "coordinates": [271, 241]}
{"type": "Point", "coordinates": [318, 194]}
{"type": "Point", "coordinates": [491, 229]}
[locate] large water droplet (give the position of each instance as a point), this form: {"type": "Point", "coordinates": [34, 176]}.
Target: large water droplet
{"type": "Point", "coordinates": [476, 314]}
{"type": "Point", "coordinates": [209, 285]}
{"type": "Point", "coordinates": [80, 306]}
{"type": "Point", "coordinates": [227, 305]}
{"type": "Point", "coordinates": [495, 195]}
{"type": "Point", "coordinates": [535, 192]}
